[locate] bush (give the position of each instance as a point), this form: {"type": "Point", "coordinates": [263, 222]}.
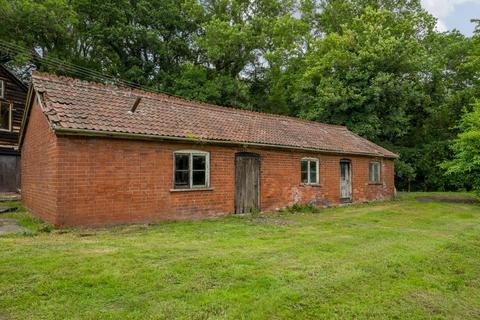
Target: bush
{"type": "Point", "coordinates": [302, 208]}
{"type": "Point", "coordinates": [467, 150]}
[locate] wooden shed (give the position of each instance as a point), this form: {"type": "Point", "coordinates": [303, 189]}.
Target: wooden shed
{"type": "Point", "coordinates": [13, 93]}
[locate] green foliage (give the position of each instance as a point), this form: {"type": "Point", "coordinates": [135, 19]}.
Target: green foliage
{"type": "Point", "coordinates": [255, 212]}
{"type": "Point", "coordinates": [302, 208]}
{"type": "Point", "coordinates": [467, 149]}
{"type": "Point", "coordinates": [377, 66]}
{"type": "Point", "coordinates": [365, 76]}
{"type": "Point", "coordinates": [405, 172]}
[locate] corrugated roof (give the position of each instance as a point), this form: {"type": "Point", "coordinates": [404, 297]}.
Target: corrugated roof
{"type": "Point", "coordinates": [72, 104]}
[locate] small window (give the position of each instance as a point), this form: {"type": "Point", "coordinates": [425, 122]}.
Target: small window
{"type": "Point", "coordinates": [309, 171]}
{"type": "Point", "coordinates": [191, 169]}
{"type": "Point", "coordinates": [5, 116]}
{"type": "Point", "coordinates": [2, 89]}
{"type": "Point", "coordinates": [374, 172]}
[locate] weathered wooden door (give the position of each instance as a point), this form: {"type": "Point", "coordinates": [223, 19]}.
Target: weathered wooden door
{"type": "Point", "coordinates": [247, 181]}
{"type": "Point", "coordinates": [345, 180]}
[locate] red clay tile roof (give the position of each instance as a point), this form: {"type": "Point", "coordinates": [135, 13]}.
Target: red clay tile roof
{"type": "Point", "coordinates": [72, 104]}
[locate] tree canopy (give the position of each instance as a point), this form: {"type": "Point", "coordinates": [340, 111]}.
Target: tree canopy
{"type": "Point", "coordinates": [377, 66]}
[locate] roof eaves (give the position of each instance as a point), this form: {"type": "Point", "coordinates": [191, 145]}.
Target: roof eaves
{"type": "Point", "coordinates": [31, 96]}
{"type": "Point", "coordinates": [26, 115]}
{"type": "Point", "coordinates": [59, 130]}
{"type": "Point", "coordinates": [390, 153]}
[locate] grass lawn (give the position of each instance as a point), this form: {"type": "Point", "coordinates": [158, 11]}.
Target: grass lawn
{"type": "Point", "coordinates": [403, 259]}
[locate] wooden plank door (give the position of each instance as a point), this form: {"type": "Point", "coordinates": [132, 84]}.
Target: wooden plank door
{"type": "Point", "coordinates": [247, 181]}
{"type": "Point", "coordinates": [345, 181]}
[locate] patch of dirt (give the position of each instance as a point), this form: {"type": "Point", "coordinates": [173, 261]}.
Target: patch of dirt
{"type": "Point", "coordinates": [86, 234]}
{"type": "Point", "coordinates": [446, 199]}
{"type": "Point", "coordinates": [99, 250]}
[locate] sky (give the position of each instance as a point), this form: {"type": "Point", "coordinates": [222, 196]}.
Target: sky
{"type": "Point", "coordinates": [454, 14]}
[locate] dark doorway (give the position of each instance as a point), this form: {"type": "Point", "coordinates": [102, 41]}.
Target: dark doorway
{"type": "Point", "coordinates": [9, 173]}
{"type": "Point", "coordinates": [247, 181]}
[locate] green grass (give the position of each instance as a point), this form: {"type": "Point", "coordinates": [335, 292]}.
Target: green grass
{"type": "Point", "coordinates": [400, 260]}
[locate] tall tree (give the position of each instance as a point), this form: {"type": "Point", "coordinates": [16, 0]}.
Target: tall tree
{"type": "Point", "coordinates": [367, 76]}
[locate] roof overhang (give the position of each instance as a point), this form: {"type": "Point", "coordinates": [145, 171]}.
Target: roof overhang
{"type": "Point", "coordinates": [26, 115]}
{"type": "Point", "coordinates": [148, 137]}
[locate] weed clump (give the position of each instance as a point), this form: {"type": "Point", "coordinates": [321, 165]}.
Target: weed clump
{"type": "Point", "coordinates": [302, 208]}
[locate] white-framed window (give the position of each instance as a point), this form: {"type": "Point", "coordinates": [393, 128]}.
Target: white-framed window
{"type": "Point", "coordinates": [2, 89]}
{"type": "Point", "coordinates": [374, 172]}
{"type": "Point", "coordinates": [5, 116]}
{"type": "Point", "coordinates": [191, 169]}
{"type": "Point", "coordinates": [309, 171]}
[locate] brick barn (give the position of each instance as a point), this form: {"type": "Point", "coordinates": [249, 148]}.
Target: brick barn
{"type": "Point", "coordinates": [95, 154]}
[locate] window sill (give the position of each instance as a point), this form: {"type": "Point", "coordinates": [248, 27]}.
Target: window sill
{"type": "Point", "coordinates": [310, 185]}
{"type": "Point", "coordinates": [192, 189]}
{"type": "Point", "coordinates": [375, 183]}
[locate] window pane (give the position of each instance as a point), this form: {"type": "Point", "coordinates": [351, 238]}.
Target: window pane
{"type": "Point", "coordinates": [313, 177]}
{"type": "Point", "coordinates": [313, 172]}
{"type": "Point", "coordinates": [304, 171]}
{"type": "Point", "coordinates": [181, 161]}
{"type": "Point", "coordinates": [4, 116]}
{"type": "Point", "coordinates": [374, 174]}
{"type": "Point", "coordinates": [199, 178]}
{"type": "Point", "coordinates": [182, 179]}
{"type": "Point", "coordinates": [304, 165]}
{"type": "Point", "coordinates": [182, 172]}
{"type": "Point", "coordinates": [304, 177]}
{"type": "Point", "coordinates": [199, 162]}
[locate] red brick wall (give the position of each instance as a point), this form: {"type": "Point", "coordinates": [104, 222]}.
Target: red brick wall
{"type": "Point", "coordinates": [103, 181]}
{"type": "Point", "coordinates": [280, 180]}
{"type": "Point", "coordinates": [108, 181]}
{"type": "Point", "coordinates": [39, 168]}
